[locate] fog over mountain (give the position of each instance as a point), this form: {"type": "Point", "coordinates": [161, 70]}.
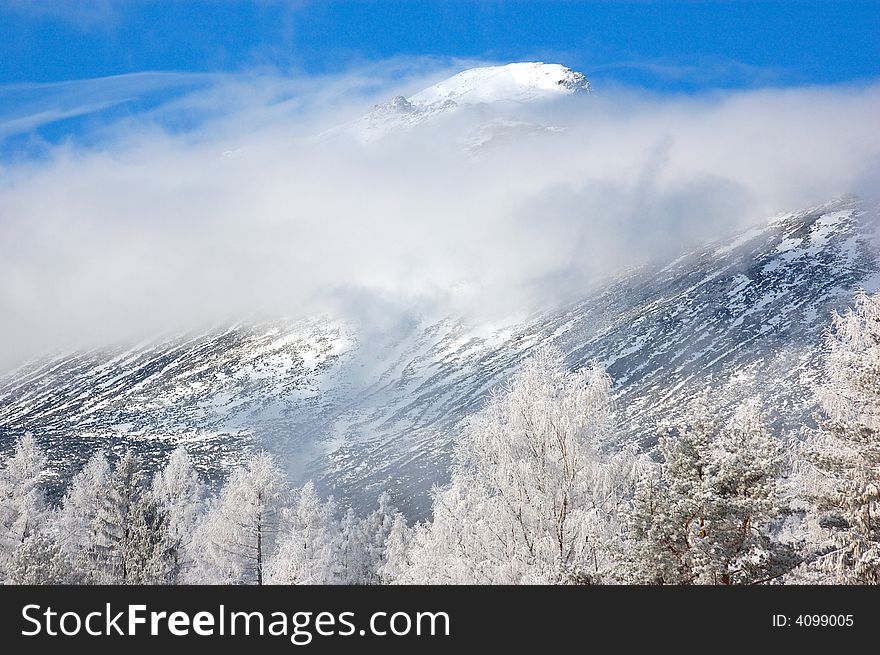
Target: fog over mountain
{"type": "Point", "coordinates": [340, 271]}
{"type": "Point", "coordinates": [514, 195]}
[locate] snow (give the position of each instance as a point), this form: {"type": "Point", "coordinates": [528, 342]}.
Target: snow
{"type": "Point", "coordinates": [356, 410]}
{"type": "Point", "coordinates": [824, 228]}
{"type": "Point", "coordinates": [743, 239]}
{"type": "Point", "coordinates": [872, 283]}
{"type": "Point", "coordinates": [788, 244]}
{"type": "Point", "coordinates": [519, 82]}
{"type": "Point", "coordinates": [739, 282]}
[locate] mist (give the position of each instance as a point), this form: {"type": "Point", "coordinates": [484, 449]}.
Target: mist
{"type": "Point", "coordinates": [244, 197]}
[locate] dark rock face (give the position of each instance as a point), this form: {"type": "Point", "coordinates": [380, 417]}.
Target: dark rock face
{"type": "Point", "coordinates": [575, 81]}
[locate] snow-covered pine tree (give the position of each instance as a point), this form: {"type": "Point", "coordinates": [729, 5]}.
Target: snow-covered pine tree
{"type": "Point", "coordinates": [237, 536]}
{"type": "Point", "coordinates": [362, 548]}
{"type": "Point", "coordinates": [132, 545]}
{"type": "Point", "coordinates": [22, 502]}
{"type": "Point", "coordinates": [745, 504]}
{"type": "Point", "coordinates": [396, 560]}
{"type": "Point", "coordinates": [667, 512]}
{"type": "Point", "coordinates": [78, 526]}
{"type": "Point", "coordinates": [530, 493]}
{"type": "Point", "coordinates": [308, 552]}
{"type": "Point", "coordinates": [378, 527]}
{"type": "Point", "coordinates": [179, 496]}
{"type": "Point", "coordinates": [40, 560]}
{"type": "Point", "coordinates": [353, 558]}
{"type": "Point", "coordinates": [842, 478]}
{"type": "Point", "coordinates": [706, 514]}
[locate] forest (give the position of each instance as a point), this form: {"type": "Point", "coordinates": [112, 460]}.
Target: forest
{"type": "Point", "coordinates": [540, 492]}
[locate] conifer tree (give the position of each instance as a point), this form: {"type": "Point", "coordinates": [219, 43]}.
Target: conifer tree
{"type": "Point", "coordinates": [78, 524]}
{"type": "Point", "coordinates": [842, 476]}
{"type": "Point", "coordinates": [179, 497]}
{"type": "Point", "coordinates": [309, 549]}
{"type": "Point", "coordinates": [132, 545]}
{"type": "Point", "coordinates": [707, 513]}
{"type": "Point", "coordinates": [22, 503]}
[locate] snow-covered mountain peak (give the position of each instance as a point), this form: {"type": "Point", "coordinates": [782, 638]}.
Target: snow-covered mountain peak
{"type": "Point", "coordinates": [518, 82]}
{"type": "Point", "coordinates": [503, 87]}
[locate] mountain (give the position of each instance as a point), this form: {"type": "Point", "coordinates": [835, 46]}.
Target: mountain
{"type": "Point", "coordinates": [361, 412]}
{"type": "Point", "coordinates": [503, 88]}
{"type": "Point", "coordinates": [745, 316]}
{"type": "Point", "coordinates": [519, 82]}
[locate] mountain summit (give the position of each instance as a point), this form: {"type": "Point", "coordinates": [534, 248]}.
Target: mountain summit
{"type": "Point", "coordinates": [511, 85]}
{"type": "Point", "coordinates": [519, 82]}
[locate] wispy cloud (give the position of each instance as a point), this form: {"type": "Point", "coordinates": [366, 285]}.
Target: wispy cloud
{"type": "Point", "coordinates": [82, 14]}
{"type": "Point", "coordinates": [28, 106]}
{"type": "Point", "coordinates": [703, 71]}
{"type": "Point", "coordinates": [178, 100]}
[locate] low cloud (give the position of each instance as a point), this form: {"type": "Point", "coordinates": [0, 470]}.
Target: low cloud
{"type": "Point", "coordinates": [220, 201]}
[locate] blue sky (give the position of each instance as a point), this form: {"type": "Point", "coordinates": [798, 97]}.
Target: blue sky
{"type": "Point", "coordinates": [664, 45]}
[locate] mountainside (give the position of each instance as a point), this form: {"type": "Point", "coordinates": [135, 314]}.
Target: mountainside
{"type": "Point", "coordinates": [745, 316]}
{"type": "Point", "coordinates": [360, 412]}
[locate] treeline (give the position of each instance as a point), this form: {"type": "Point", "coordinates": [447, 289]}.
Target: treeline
{"type": "Point", "coordinates": [538, 495]}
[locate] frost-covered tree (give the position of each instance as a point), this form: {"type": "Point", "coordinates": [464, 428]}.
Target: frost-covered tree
{"type": "Point", "coordinates": [396, 561]}
{"type": "Point", "coordinates": [132, 544]}
{"type": "Point", "coordinates": [110, 529]}
{"type": "Point", "coordinates": [40, 560]}
{"type": "Point", "coordinates": [363, 542]}
{"type": "Point", "coordinates": [78, 526]}
{"type": "Point", "coordinates": [668, 512]}
{"type": "Point", "coordinates": [308, 552]}
{"type": "Point", "coordinates": [531, 499]}
{"type": "Point", "coordinates": [706, 515]}
{"type": "Point", "coordinates": [842, 478]}
{"type": "Point", "coordinates": [746, 504]}
{"type": "Point", "coordinates": [22, 502]}
{"type": "Point", "coordinates": [237, 536]}
{"type": "Point", "coordinates": [354, 563]}
{"type": "Point", "coordinates": [179, 496]}
{"type": "Point", "coordinates": [378, 528]}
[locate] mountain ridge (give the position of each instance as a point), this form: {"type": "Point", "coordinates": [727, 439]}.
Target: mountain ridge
{"type": "Point", "coordinates": [744, 315]}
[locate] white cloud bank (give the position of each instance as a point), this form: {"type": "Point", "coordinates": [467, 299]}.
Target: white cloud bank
{"type": "Point", "coordinates": [151, 229]}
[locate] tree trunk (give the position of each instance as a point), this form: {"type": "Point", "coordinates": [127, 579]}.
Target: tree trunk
{"type": "Point", "coordinates": [259, 550]}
